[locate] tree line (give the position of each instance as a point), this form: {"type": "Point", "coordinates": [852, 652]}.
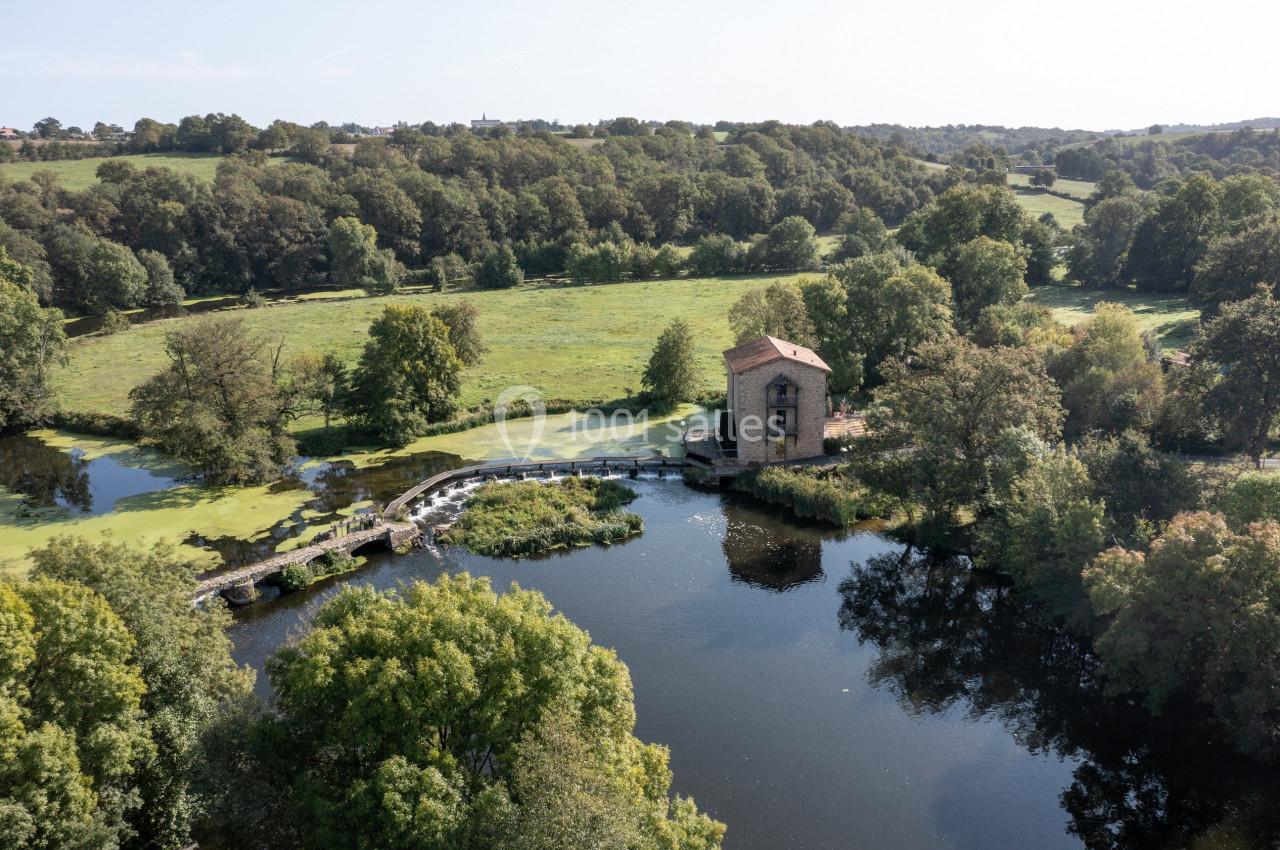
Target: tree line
{"type": "Point", "coordinates": [436, 200]}
{"type": "Point", "coordinates": [1152, 161]}
{"type": "Point", "coordinates": [1214, 240]}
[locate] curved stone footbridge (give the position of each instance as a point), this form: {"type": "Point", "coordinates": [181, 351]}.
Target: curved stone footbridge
{"type": "Point", "coordinates": [239, 586]}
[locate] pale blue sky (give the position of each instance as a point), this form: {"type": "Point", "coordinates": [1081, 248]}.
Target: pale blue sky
{"type": "Point", "coordinates": [1076, 63]}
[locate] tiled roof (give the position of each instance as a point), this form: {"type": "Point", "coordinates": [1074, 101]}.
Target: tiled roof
{"type": "Point", "coordinates": [767, 349]}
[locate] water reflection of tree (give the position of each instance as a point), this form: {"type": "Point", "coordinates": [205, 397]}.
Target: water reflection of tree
{"type": "Point", "coordinates": [764, 551]}
{"type": "Point", "coordinates": [339, 484]}
{"type": "Point", "coordinates": [43, 475]}
{"type": "Point", "coordinates": [949, 635]}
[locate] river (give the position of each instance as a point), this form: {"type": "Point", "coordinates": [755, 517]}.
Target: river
{"type": "Point", "coordinates": [821, 689]}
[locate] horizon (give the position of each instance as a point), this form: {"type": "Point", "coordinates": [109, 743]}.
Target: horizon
{"type": "Point", "coordinates": [1001, 65]}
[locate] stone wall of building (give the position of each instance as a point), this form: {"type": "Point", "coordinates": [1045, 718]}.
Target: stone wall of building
{"type": "Point", "coordinates": [749, 395]}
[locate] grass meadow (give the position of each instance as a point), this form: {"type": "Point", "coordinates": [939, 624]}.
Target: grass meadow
{"type": "Point", "coordinates": [571, 342]}
{"type": "Point", "coordinates": [1067, 212]}
{"type": "Point", "coordinates": [77, 174]}
{"type": "Point", "coordinates": [1079, 189]}
{"type": "Point", "coordinates": [1172, 318]}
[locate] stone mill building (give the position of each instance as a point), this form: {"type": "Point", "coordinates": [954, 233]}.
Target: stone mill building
{"type": "Point", "coordinates": [777, 403]}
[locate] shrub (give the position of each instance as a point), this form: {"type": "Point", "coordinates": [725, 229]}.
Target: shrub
{"type": "Point", "coordinates": [332, 563]}
{"type": "Point", "coordinates": [113, 322]}
{"type": "Point", "coordinates": [498, 269]}
{"type": "Point", "coordinates": [295, 577]}
{"type": "Point", "coordinates": [825, 495]}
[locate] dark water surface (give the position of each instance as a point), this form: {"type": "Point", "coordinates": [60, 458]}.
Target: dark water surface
{"type": "Point", "coordinates": [46, 477]}
{"type": "Point", "coordinates": [826, 690]}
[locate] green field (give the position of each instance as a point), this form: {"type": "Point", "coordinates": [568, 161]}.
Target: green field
{"type": "Point", "coordinates": [1080, 189]}
{"type": "Point", "coordinates": [1171, 317]}
{"type": "Point", "coordinates": [76, 174]}
{"type": "Point", "coordinates": [1068, 213]}
{"type": "Point", "coordinates": [574, 343]}
{"type": "Point", "coordinates": [1134, 141]}
{"type": "Point", "coordinates": [932, 166]}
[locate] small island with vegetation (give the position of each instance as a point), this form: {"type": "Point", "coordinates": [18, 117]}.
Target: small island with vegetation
{"type": "Point", "coordinates": [518, 518]}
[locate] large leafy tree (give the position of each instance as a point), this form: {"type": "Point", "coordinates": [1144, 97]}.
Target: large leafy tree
{"type": "Point", "coordinates": [958, 216]}
{"type": "Point", "coordinates": [72, 735]}
{"type": "Point", "coordinates": [790, 244]}
{"type": "Point", "coordinates": [1171, 239]}
{"type": "Point", "coordinates": [776, 310]}
{"type": "Point", "coordinates": [940, 416]}
{"type": "Point", "coordinates": [1097, 250]}
{"type": "Point", "coordinates": [984, 273]}
{"type": "Point", "coordinates": [386, 207]}
{"type": "Point", "coordinates": [671, 375]}
{"type": "Point", "coordinates": [219, 404]}
{"type": "Point", "coordinates": [26, 250]}
{"type": "Point", "coordinates": [183, 655]}
{"type": "Point", "coordinates": [449, 716]}
{"type": "Point", "coordinates": [356, 260]}
{"type": "Point", "coordinates": [1197, 616]}
{"type": "Point", "coordinates": [1142, 488]}
{"type": "Point", "coordinates": [1234, 266]}
{"type": "Point", "coordinates": [462, 318]}
{"type": "Point", "coordinates": [408, 375]}
{"type": "Point", "coordinates": [1044, 531]}
{"type": "Point", "coordinates": [872, 308]}
{"type": "Point", "coordinates": [317, 384]}
{"type": "Point", "coordinates": [31, 343]}
{"type": "Point", "coordinates": [1108, 381]}
{"type": "Point", "coordinates": [162, 289]}
{"type": "Point", "coordinates": [94, 274]}
{"type": "Point", "coordinates": [1243, 342]}
{"type": "Point", "coordinates": [114, 278]}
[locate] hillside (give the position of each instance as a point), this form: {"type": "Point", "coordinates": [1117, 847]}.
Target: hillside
{"type": "Point", "coordinates": [592, 341]}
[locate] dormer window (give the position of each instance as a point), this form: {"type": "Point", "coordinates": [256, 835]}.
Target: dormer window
{"type": "Point", "coordinates": [781, 391]}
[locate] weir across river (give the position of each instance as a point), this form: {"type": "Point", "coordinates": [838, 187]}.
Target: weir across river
{"type": "Point", "coordinates": [515, 469]}
{"type": "Point", "coordinates": [394, 529]}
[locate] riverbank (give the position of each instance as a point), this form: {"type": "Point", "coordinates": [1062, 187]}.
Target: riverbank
{"type": "Point", "coordinates": [150, 499]}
